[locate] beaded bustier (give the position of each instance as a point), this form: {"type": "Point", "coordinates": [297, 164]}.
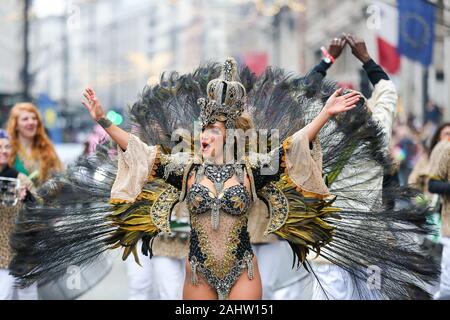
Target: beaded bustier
{"type": "Point", "coordinates": [220, 248]}
{"type": "Point", "coordinates": [234, 200]}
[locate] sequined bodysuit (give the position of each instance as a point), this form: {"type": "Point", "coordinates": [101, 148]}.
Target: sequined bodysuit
{"type": "Point", "coordinates": [220, 247]}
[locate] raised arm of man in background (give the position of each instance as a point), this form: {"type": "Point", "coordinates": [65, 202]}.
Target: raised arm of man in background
{"type": "Point", "coordinates": [336, 283]}
{"type": "Point", "coordinates": [383, 102]}
{"type": "Point", "coordinates": [334, 51]}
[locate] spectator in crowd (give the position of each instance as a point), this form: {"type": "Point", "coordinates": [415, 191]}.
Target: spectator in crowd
{"type": "Point", "coordinates": [419, 175]}
{"type": "Point", "coordinates": [440, 184]}
{"type": "Point", "coordinates": [404, 151]}
{"type": "Point", "coordinates": [8, 214]}
{"type": "Point", "coordinates": [433, 114]}
{"type": "Point", "coordinates": [32, 152]}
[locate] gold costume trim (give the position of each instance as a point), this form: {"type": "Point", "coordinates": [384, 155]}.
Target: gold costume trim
{"type": "Point", "coordinates": [162, 208]}
{"type": "Point", "coordinates": [220, 269]}
{"type": "Point", "coordinates": [278, 207]}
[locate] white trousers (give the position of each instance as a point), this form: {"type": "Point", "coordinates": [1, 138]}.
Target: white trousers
{"type": "Point", "coordinates": [168, 275]}
{"type": "Point", "coordinates": [159, 278]}
{"type": "Point", "coordinates": [444, 286]}
{"type": "Point", "coordinates": [6, 285]}
{"type": "Point", "coordinates": [140, 278]}
{"type": "Point", "coordinates": [332, 283]}
{"type": "Point", "coordinates": [299, 290]}
{"type": "Point", "coordinates": [337, 284]}
{"type": "Point", "coordinates": [8, 291]}
{"type": "Point", "coordinates": [29, 293]}
{"type": "Point", "coordinates": [279, 280]}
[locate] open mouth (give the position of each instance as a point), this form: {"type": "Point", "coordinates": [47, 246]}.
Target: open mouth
{"type": "Point", "coordinates": [205, 146]}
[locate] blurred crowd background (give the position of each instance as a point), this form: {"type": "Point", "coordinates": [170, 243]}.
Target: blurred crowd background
{"type": "Point", "coordinates": [51, 49]}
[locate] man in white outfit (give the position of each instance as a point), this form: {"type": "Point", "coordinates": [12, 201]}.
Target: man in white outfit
{"type": "Point", "coordinates": [336, 283]}
{"type": "Point", "coordinates": [282, 282]}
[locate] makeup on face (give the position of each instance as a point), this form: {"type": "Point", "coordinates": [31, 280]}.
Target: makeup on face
{"type": "Point", "coordinates": [27, 124]}
{"type": "Point", "coordinates": [210, 137]}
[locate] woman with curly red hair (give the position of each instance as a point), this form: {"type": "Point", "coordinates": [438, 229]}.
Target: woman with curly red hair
{"type": "Point", "coordinates": [32, 154]}
{"type": "Point", "coordinates": [32, 151]}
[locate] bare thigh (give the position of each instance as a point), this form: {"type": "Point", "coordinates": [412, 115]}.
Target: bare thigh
{"type": "Point", "coordinates": [243, 289]}
{"type": "Point", "coordinates": [201, 291]}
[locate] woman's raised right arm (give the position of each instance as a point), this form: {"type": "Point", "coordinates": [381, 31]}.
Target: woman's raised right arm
{"type": "Point", "coordinates": [97, 113]}
{"type": "Point", "coordinates": [136, 161]}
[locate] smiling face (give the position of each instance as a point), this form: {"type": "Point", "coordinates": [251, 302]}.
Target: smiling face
{"type": "Point", "coordinates": [212, 141]}
{"type": "Point", "coordinates": [5, 152]}
{"type": "Point", "coordinates": [27, 124]}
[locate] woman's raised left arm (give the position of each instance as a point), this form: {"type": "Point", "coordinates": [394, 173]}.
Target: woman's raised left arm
{"type": "Point", "coordinates": [336, 104]}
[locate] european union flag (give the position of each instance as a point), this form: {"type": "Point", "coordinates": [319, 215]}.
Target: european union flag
{"type": "Point", "coordinates": [416, 30]}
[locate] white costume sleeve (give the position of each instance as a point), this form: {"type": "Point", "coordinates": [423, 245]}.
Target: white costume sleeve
{"type": "Point", "coordinates": [133, 169]}
{"type": "Point", "coordinates": [383, 104]}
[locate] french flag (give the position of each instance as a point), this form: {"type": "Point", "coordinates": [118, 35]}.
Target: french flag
{"type": "Point", "coordinates": [257, 62]}
{"type": "Point", "coordinates": [387, 38]}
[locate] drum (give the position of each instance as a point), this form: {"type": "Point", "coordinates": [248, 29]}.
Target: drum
{"type": "Point", "coordinates": [9, 191]}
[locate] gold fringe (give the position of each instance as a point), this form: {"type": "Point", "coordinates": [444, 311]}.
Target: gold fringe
{"type": "Point", "coordinates": [119, 201]}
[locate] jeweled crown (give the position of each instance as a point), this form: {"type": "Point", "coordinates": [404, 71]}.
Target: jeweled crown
{"type": "Point", "coordinates": [226, 98]}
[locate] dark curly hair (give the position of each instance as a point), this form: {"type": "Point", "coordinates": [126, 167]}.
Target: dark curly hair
{"type": "Point", "coordinates": [437, 136]}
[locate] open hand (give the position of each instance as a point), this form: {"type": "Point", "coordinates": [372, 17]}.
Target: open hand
{"type": "Point", "coordinates": [338, 104]}
{"type": "Point", "coordinates": [336, 46]}
{"type": "Point", "coordinates": [359, 48]}
{"type": "Point", "coordinates": [93, 105]}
